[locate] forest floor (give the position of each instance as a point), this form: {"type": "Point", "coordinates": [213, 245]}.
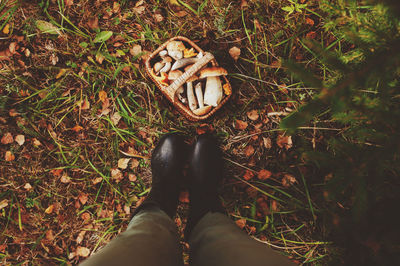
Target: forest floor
{"type": "Point", "coordinates": [79, 118]}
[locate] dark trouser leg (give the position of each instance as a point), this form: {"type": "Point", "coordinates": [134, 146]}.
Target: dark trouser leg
{"type": "Point", "coordinates": [216, 240]}
{"type": "Point", "coordinates": [151, 239]}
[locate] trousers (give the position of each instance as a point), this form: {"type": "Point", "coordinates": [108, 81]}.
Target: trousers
{"type": "Point", "coordinates": [152, 239]}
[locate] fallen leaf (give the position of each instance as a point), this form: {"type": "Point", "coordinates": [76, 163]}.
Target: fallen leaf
{"type": "Point", "coordinates": [49, 235]}
{"type": "Point", "coordinates": [80, 237]}
{"type": "Point", "coordinates": [288, 180]}
{"type": "Point", "coordinates": [65, 179]}
{"type": "Point", "coordinates": [248, 175]}
{"type": "Point", "coordinates": [115, 118]}
{"type": "Point", "coordinates": [243, 4]}
{"type": "Point", "coordinates": [123, 163]}
{"type": "Point", "coordinates": [20, 139]}
{"type": "Point", "coordinates": [6, 29]}
{"type": "Point", "coordinates": [284, 142]}
{"type": "Point", "coordinates": [68, 2]}
{"type": "Point", "coordinates": [249, 150]}
{"type": "Point", "coordinates": [97, 180]}
{"type": "Point", "coordinates": [267, 143]}
{"type": "Point", "coordinates": [240, 125]}
{"type": "Point", "coordinates": [135, 50]}
{"type": "Point", "coordinates": [85, 216]}
{"type": "Point", "coordinates": [28, 186]}
{"type": "Point", "coordinates": [83, 198]}
{"type": "Point", "coordinates": [56, 172]}
{"type": "Point", "coordinates": [102, 96]}
{"type": "Point", "coordinates": [181, 13]}
{"type": "Point", "coordinates": [158, 18]}
{"type": "Point", "coordinates": [99, 58]}
{"type": "Point", "coordinates": [93, 23]}
{"type": "Point", "coordinates": [13, 112]}
{"type": "Point", "coordinates": [116, 7]}
{"type": "Point", "coordinates": [47, 27]}
{"type": "Point", "coordinates": [84, 105]}
{"type": "Point", "coordinates": [3, 203]}
{"type": "Point", "coordinates": [234, 53]}
{"type": "Point", "coordinates": [127, 209]}
{"type": "Point", "coordinates": [77, 128]}
{"type": "Point", "coordinates": [9, 156]}
{"type": "Point", "coordinates": [49, 209]}
{"type": "Point", "coordinates": [309, 21]}
{"type": "Point", "coordinates": [264, 174]}
{"type": "Point", "coordinates": [7, 138]}
{"type": "Point", "coordinates": [36, 142]}
{"type": "Point", "coordinates": [139, 8]}
{"type": "Point", "coordinates": [241, 223]}
{"type": "Point", "coordinates": [116, 174]}
{"type": "Point", "coordinates": [82, 251]}
{"type": "Point", "coordinates": [134, 163]}
{"type": "Point", "coordinates": [27, 52]}
{"type": "Point", "coordinates": [253, 115]}
{"type": "Point", "coordinates": [132, 177]}
{"type": "Point", "coordinates": [61, 73]}
{"type": "Point", "coordinates": [12, 47]}
{"type": "Point", "coordinates": [274, 206]}
{"type": "Point", "coordinates": [311, 35]}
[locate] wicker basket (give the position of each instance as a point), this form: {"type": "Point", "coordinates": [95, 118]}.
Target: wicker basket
{"type": "Point", "coordinates": [169, 91]}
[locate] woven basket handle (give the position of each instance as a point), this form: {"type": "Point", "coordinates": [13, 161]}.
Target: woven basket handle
{"type": "Point", "coordinates": [171, 89]}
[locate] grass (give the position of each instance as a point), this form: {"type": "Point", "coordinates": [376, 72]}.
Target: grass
{"type": "Point", "coordinates": [48, 99]}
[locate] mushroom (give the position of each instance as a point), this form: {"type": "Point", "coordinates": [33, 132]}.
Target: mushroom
{"type": "Point", "coordinates": [191, 99]}
{"type": "Point", "coordinates": [163, 53]}
{"type": "Point", "coordinates": [202, 111]}
{"type": "Point", "coordinates": [158, 66]}
{"type": "Point", "coordinates": [184, 62]}
{"type": "Point", "coordinates": [199, 94]}
{"type": "Point", "coordinates": [173, 75]}
{"type": "Point", "coordinates": [213, 91]}
{"type": "Point", "coordinates": [167, 60]}
{"type": "Point", "coordinates": [175, 49]}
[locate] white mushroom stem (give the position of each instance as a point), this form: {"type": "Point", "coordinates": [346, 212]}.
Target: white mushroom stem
{"type": "Point", "coordinates": [199, 94]}
{"type": "Point", "coordinates": [158, 66]}
{"type": "Point", "coordinates": [213, 91]}
{"type": "Point", "coordinates": [184, 62]}
{"type": "Point", "coordinates": [202, 111]}
{"type": "Point", "coordinates": [180, 97]}
{"type": "Point", "coordinates": [190, 95]}
{"type": "Point", "coordinates": [166, 67]}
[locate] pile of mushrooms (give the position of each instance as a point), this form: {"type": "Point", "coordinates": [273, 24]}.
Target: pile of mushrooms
{"type": "Point", "coordinates": [203, 90]}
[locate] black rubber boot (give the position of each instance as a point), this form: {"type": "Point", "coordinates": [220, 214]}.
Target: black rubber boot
{"type": "Point", "coordinates": [167, 162]}
{"type": "Point", "coordinates": [205, 170]}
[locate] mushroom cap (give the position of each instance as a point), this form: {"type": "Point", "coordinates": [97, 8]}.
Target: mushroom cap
{"type": "Point", "coordinates": [213, 72]}
{"type": "Point", "coordinates": [202, 111]}
{"type": "Point", "coordinates": [187, 67]}
{"type": "Point", "coordinates": [192, 78]}
{"type": "Point", "coordinates": [167, 59]}
{"type": "Point", "coordinates": [163, 53]}
{"type": "Point", "coordinates": [174, 74]}
{"type": "Point", "coordinates": [175, 46]}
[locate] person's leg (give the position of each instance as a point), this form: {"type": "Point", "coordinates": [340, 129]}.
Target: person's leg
{"type": "Point", "coordinates": [151, 237]}
{"type": "Point", "coordinates": [214, 239]}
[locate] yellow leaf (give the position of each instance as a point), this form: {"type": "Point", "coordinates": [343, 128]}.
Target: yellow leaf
{"type": "Point", "coordinates": [6, 29]}
{"type": "Point", "coordinates": [61, 73]}
{"type": "Point", "coordinates": [102, 96]}
{"type": "Point", "coordinates": [49, 209]}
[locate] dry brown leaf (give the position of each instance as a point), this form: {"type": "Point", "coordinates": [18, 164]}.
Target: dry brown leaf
{"type": "Point", "coordinates": [132, 177]}
{"type": "Point", "coordinates": [65, 179]}
{"type": "Point", "coordinates": [116, 174]}
{"type": "Point", "coordinates": [116, 7]}
{"type": "Point", "coordinates": [80, 237]}
{"type": "Point", "coordinates": [28, 186]}
{"type": "Point", "coordinates": [240, 125]}
{"type": "Point", "coordinates": [7, 138]}
{"type": "Point", "coordinates": [49, 235]}
{"type": "Point", "coordinates": [134, 163]}
{"type": "Point", "coordinates": [13, 112]}
{"type": "Point", "coordinates": [99, 58]}
{"type": "Point", "coordinates": [309, 21]}
{"type": "Point", "coordinates": [248, 175]}
{"type": "Point", "coordinates": [249, 150]}
{"type": "Point", "coordinates": [267, 143]}
{"type": "Point", "coordinates": [253, 115]}
{"type": "Point", "coordinates": [85, 216]}
{"type": "Point", "coordinates": [9, 156]}
{"type": "Point", "coordinates": [3, 203]}
{"type": "Point", "coordinates": [93, 23]}
{"type": "Point", "coordinates": [127, 209]}
{"type": "Point", "coordinates": [243, 4]}
{"type": "Point", "coordinates": [235, 53]}
{"type": "Point", "coordinates": [68, 2]}
{"type": "Point", "coordinates": [284, 142]}
{"type": "Point", "coordinates": [241, 223]}
{"type": "Point", "coordinates": [56, 172]}
{"type": "Point", "coordinates": [20, 139]}
{"type": "Point", "coordinates": [123, 163]}
{"type": "Point", "coordinates": [115, 118]}
{"type": "Point", "coordinates": [36, 142]}
{"type": "Point", "coordinates": [311, 35]}
{"type": "Point", "coordinates": [49, 209]}
{"type": "Point", "coordinates": [135, 50]}
{"type": "Point", "coordinates": [97, 180]}
{"type": "Point", "coordinates": [181, 13]}
{"type": "Point", "coordinates": [102, 96]}
{"type": "Point", "coordinates": [83, 198]}
{"type": "Point", "coordinates": [12, 47]}
{"type": "Point", "coordinates": [158, 18]}
{"type": "Point", "coordinates": [288, 180]}
{"type": "Point", "coordinates": [82, 251]}
{"type": "Point", "coordinates": [274, 206]}
{"type": "Point", "coordinates": [6, 29]}
{"type": "Point", "coordinates": [264, 174]}
{"type": "Point", "coordinates": [77, 128]}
